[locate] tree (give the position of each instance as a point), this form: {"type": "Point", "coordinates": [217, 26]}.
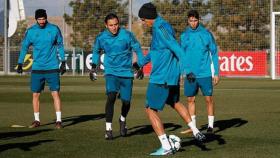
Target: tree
{"type": "Point", "coordinates": [241, 25]}
{"type": "Point", "coordinates": [175, 12]}
{"type": "Point", "coordinates": [17, 37]}
{"type": "Point", "coordinates": [1, 40]}
{"type": "Point", "coordinates": [87, 19]}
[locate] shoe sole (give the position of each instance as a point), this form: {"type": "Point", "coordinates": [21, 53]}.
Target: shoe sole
{"type": "Point", "coordinates": [188, 131]}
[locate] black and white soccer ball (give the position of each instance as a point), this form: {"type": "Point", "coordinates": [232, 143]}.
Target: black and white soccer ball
{"type": "Point", "coordinates": [175, 142]}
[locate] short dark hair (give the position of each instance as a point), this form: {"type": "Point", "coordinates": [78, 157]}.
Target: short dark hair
{"type": "Point", "coordinates": [111, 16]}
{"type": "Point", "coordinates": [193, 13]}
{"type": "Point", "coordinates": [148, 11]}
{"type": "Point", "coordinates": [39, 13]}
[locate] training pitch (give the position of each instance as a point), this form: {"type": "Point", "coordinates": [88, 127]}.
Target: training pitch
{"type": "Point", "coordinates": [247, 122]}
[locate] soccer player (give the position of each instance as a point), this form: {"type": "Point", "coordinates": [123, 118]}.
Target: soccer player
{"type": "Point", "coordinates": [165, 55]}
{"type": "Point", "coordinates": [47, 42]}
{"type": "Point", "coordinates": [201, 51]}
{"type": "Point", "coordinates": [118, 45]}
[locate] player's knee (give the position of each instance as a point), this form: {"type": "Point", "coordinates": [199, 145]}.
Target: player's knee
{"type": "Point", "coordinates": [126, 103]}
{"type": "Point", "coordinates": [111, 96]}
{"type": "Point", "coordinates": [209, 100]}
{"type": "Point", "coordinates": [191, 101]}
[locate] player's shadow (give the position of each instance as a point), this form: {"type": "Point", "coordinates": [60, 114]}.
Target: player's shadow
{"type": "Point", "coordinates": [202, 145]}
{"type": "Point", "coordinates": [220, 125]}
{"type": "Point", "coordinates": [146, 129]}
{"type": "Point", "coordinates": [73, 120]}
{"type": "Point", "coordinates": [23, 146]}
{"type": "Point", "coordinates": [12, 135]}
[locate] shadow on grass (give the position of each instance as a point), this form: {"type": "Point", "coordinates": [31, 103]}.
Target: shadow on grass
{"type": "Point", "coordinates": [23, 146]}
{"type": "Point", "coordinates": [72, 120]}
{"type": "Point", "coordinates": [221, 125]}
{"type": "Point", "coordinates": [11, 135]}
{"type": "Point", "coordinates": [146, 129]}
{"type": "Point", "coordinates": [202, 145]}
{"type": "Point", "coordinates": [225, 124]}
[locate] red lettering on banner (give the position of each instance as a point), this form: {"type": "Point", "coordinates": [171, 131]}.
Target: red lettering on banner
{"type": "Point", "coordinates": [243, 63]}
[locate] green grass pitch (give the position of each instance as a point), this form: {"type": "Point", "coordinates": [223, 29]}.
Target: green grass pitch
{"type": "Point", "coordinates": [247, 122]}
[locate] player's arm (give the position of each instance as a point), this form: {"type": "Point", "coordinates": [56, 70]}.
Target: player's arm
{"type": "Point", "coordinates": [136, 47]}
{"type": "Point", "coordinates": [215, 58]}
{"type": "Point", "coordinates": [139, 66]}
{"type": "Point", "coordinates": [214, 53]}
{"type": "Point", "coordinates": [24, 49]}
{"type": "Point", "coordinates": [167, 38]}
{"type": "Point", "coordinates": [96, 49]}
{"type": "Point", "coordinates": [60, 48]}
{"type": "Point", "coordinates": [145, 60]}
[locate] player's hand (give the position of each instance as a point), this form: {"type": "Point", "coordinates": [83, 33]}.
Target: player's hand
{"type": "Point", "coordinates": [140, 74]}
{"type": "Point", "coordinates": [190, 77]}
{"type": "Point", "coordinates": [19, 68]}
{"type": "Point", "coordinates": [136, 66]}
{"type": "Point", "coordinates": [139, 71]}
{"type": "Point", "coordinates": [216, 80]}
{"type": "Point", "coordinates": [92, 73]}
{"type": "Point", "coordinates": [62, 68]}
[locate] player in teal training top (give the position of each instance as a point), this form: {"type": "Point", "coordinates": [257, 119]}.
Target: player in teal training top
{"type": "Point", "coordinates": [201, 51]}
{"type": "Point", "coordinates": [166, 57]}
{"type": "Point", "coordinates": [47, 43]}
{"type": "Point", "coordinates": [118, 45]}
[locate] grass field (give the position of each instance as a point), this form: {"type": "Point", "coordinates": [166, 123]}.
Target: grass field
{"type": "Point", "coordinates": [247, 122]}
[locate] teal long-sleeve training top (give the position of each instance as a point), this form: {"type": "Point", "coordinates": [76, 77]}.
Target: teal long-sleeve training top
{"type": "Point", "coordinates": [201, 50]}
{"type": "Point", "coordinates": [166, 55]}
{"type": "Point", "coordinates": [47, 42]}
{"type": "Point", "coordinates": [118, 52]}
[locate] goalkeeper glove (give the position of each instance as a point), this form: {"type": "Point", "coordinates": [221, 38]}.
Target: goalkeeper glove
{"type": "Point", "coordinates": [140, 74]}
{"type": "Point", "coordinates": [190, 77]}
{"type": "Point", "coordinates": [136, 66]}
{"type": "Point", "coordinates": [139, 71]}
{"type": "Point", "coordinates": [92, 73]}
{"type": "Point", "coordinates": [19, 68]}
{"type": "Point", "coordinates": [62, 68]}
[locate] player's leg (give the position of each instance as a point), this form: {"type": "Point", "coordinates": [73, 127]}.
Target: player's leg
{"type": "Point", "coordinates": [112, 88]}
{"type": "Point", "coordinates": [173, 101]}
{"type": "Point", "coordinates": [157, 125]}
{"type": "Point", "coordinates": [37, 85]}
{"type": "Point", "coordinates": [211, 115]}
{"type": "Point", "coordinates": [53, 80]}
{"type": "Point", "coordinates": [207, 90]}
{"type": "Point", "coordinates": [155, 100]}
{"type": "Point", "coordinates": [190, 90]}
{"type": "Point", "coordinates": [36, 110]}
{"type": "Point", "coordinates": [125, 95]}
{"type": "Point", "coordinates": [58, 108]}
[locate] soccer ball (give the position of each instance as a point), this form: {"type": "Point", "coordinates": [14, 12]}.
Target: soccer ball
{"type": "Point", "coordinates": [175, 142]}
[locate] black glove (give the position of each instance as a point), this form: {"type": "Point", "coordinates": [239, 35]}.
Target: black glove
{"type": "Point", "coordinates": [139, 71]}
{"type": "Point", "coordinates": [19, 68]}
{"type": "Point", "coordinates": [62, 68]}
{"type": "Point", "coordinates": [140, 74]}
{"type": "Point", "coordinates": [92, 73]}
{"type": "Point", "coordinates": [190, 77]}
{"type": "Point", "coordinates": [136, 66]}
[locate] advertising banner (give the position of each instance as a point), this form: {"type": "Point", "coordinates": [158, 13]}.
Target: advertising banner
{"type": "Point", "coordinates": [243, 63]}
